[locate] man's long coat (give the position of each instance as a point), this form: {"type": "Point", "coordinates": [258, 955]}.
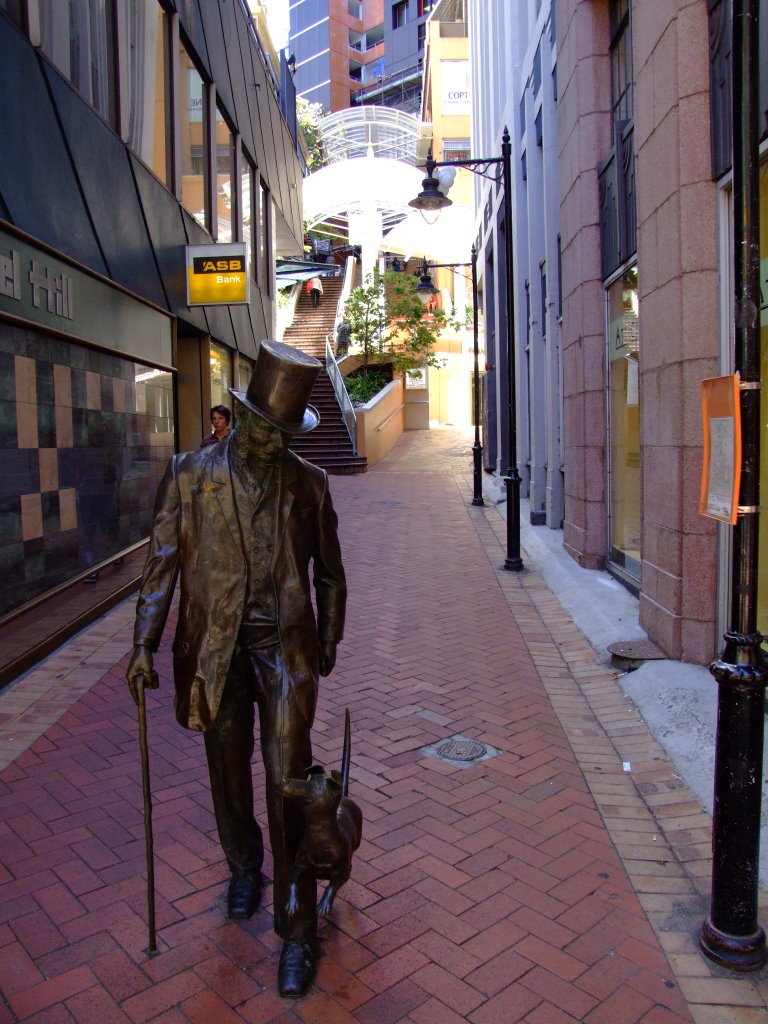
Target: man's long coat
{"type": "Point", "coordinates": [196, 535]}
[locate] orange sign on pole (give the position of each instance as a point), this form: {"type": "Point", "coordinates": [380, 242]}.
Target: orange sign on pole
{"type": "Point", "coordinates": [721, 472]}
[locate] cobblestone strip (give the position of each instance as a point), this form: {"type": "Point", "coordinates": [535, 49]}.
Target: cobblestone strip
{"type": "Point", "coordinates": [657, 825]}
{"type": "Point", "coordinates": [39, 698]}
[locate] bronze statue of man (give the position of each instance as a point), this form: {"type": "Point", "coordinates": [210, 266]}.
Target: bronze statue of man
{"type": "Point", "coordinates": [239, 522]}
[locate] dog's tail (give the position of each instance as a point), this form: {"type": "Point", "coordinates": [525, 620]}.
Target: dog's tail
{"type": "Point", "coordinates": [346, 755]}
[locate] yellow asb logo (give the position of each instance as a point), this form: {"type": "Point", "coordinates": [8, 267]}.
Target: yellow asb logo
{"type": "Point", "coordinates": [217, 275]}
{"type": "Point", "coordinates": [203, 265]}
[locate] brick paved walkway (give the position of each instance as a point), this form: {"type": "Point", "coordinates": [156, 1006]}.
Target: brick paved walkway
{"type": "Point", "coordinates": [542, 885]}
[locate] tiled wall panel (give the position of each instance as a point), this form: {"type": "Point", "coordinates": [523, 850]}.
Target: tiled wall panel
{"type": "Point", "coordinates": [84, 439]}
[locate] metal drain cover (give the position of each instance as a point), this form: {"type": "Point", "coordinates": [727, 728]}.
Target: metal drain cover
{"type": "Point", "coordinates": [462, 750]}
{"type": "Point", "coordinates": [630, 654]}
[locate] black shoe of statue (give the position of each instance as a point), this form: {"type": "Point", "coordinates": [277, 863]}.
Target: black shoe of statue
{"type": "Point", "coordinates": [297, 968]}
{"type": "Point", "coordinates": [244, 896]}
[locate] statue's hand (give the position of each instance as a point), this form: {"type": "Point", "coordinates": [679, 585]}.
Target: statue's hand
{"type": "Point", "coordinates": [327, 658]}
{"type": "Point", "coordinates": [140, 672]}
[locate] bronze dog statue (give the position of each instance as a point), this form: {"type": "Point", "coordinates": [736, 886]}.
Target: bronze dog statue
{"type": "Point", "coordinates": [333, 828]}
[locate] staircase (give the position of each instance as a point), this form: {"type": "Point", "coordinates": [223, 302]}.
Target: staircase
{"type": "Point", "coordinates": [310, 326]}
{"type": "Point", "coordinates": [328, 445]}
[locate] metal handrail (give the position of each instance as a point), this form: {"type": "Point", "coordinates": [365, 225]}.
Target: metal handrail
{"type": "Point", "coordinates": [346, 288]}
{"type": "Point", "coordinates": [340, 390]}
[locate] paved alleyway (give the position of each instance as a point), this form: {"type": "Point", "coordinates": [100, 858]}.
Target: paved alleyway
{"type": "Point", "coordinates": [544, 884]}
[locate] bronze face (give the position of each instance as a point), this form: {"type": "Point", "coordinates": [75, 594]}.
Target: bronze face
{"type": "Point", "coordinates": [265, 443]}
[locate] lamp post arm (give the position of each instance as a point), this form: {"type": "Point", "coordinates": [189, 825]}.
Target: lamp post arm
{"type": "Point", "coordinates": [479, 165]}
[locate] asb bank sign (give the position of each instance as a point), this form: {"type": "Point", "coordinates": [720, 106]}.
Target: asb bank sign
{"type": "Point", "coordinates": [217, 275]}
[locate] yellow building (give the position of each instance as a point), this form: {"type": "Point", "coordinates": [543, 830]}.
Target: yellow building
{"type": "Point", "coordinates": [446, 104]}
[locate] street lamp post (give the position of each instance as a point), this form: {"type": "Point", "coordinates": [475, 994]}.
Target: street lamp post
{"type": "Point", "coordinates": [429, 202]}
{"type": "Point", "coordinates": [425, 289]}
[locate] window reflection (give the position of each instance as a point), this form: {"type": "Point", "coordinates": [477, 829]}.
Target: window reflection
{"type": "Point", "coordinates": [78, 36]}
{"type": "Point", "coordinates": [13, 9]}
{"type": "Point", "coordinates": [250, 209]}
{"type": "Point", "coordinates": [192, 112]}
{"type": "Point", "coordinates": [146, 75]}
{"type": "Point", "coordinates": [226, 198]}
{"type": "Point", "coordinates": [265, 228]}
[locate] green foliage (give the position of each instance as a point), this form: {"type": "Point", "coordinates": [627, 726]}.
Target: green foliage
{"type": "Point", "coordinates": [387, 319]}
{"type": "Point", "coordinates": [309, 115]}
{"type": "Point", "coordinates": [362, 387]}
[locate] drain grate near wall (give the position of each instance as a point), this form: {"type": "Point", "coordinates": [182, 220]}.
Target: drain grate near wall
{"type": "Point", "coordinates": [461, 751]}
{"type": "Point", "coordinates": [631, 654]}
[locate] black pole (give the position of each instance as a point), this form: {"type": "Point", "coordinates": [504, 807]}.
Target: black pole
{"type": "Point", "coordinates": [513, 562]}
{"type": "Point", "coordinates": [731, 935]}
{"type": "Point", "coordinates": [477, 448]}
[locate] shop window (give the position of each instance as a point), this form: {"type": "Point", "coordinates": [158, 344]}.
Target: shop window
{"type": "Point", "coordinates": [193, 137]}
{"type": "Point", "coordinates": [79, 38]}
{"type": "Point", "coordinates": [221, 375]}
{"type": "Point", "coordinates": [250, 211]}
{"type": "Point", "coordinates": [399, 14]}
{"type": "Point", "coordinates": [146, 75]}
{"type": "Point", "coordinates": [263, 254]}
{"type": "Point", "coordinates": [624, 411]}
{"type": "Point", "coordinates": [226, 198]}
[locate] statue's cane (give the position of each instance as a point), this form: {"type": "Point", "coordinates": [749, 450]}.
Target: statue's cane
{"type": "Point", "coordinates": [140, 685]}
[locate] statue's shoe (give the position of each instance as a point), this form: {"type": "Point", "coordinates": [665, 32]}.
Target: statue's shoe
{"type": "Point", "coordinates": [297, 968]}
{"type": "Point", "coordinates": [244, 896]}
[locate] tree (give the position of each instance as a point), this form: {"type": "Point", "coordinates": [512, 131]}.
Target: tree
{"type": "Point", "coordinates": [309, 115]}
{"type": "Point", "coordinates": [389, 322]}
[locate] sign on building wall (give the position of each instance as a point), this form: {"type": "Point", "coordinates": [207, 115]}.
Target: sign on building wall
{"type": "Point", "coordinates": [416, 379]}
{"type": "Point", "coordinates": [217, 275]}
{"type": "Point", "coordinates": [38, 287]}
{"type": "Point", "coordinates": [454, 87]}
{"type": "Point", "coordinates": [721, 472]}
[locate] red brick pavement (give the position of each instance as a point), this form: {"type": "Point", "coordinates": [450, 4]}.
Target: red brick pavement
{"type": "Point", "coordinates": [490, 893]}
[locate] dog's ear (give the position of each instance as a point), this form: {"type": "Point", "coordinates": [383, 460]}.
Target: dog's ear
{"type": "Point", "coordinates": [336, 777]}
{"type": "Point", "coordinates": [315, 769]}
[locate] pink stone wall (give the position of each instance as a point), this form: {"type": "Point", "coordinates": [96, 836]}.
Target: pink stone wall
{"type": "Point", "coordinates": [679, 311]}
{"type": "Point", "coordinates": [584, 128]}
{"type": "Point", "coordinates": [679, 307]}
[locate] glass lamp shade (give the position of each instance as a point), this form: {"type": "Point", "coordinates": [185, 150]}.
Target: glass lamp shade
{"type": "Point", "coordinates": [425, 289]}
{"type": "Point", "coordinates": [430, 201]}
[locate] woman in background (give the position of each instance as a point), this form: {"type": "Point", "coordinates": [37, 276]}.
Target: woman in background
{"type": "Point", "coordinates": [220, 417]}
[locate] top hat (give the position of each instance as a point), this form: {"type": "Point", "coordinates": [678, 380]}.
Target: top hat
{"type": "Point", "coordinates": [280, 386]}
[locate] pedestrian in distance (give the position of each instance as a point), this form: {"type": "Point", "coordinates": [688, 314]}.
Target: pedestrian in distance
{"type": "Point", "coordinates": [315, 289]}
{"type": "Point", "coordinates": [239, 523]}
